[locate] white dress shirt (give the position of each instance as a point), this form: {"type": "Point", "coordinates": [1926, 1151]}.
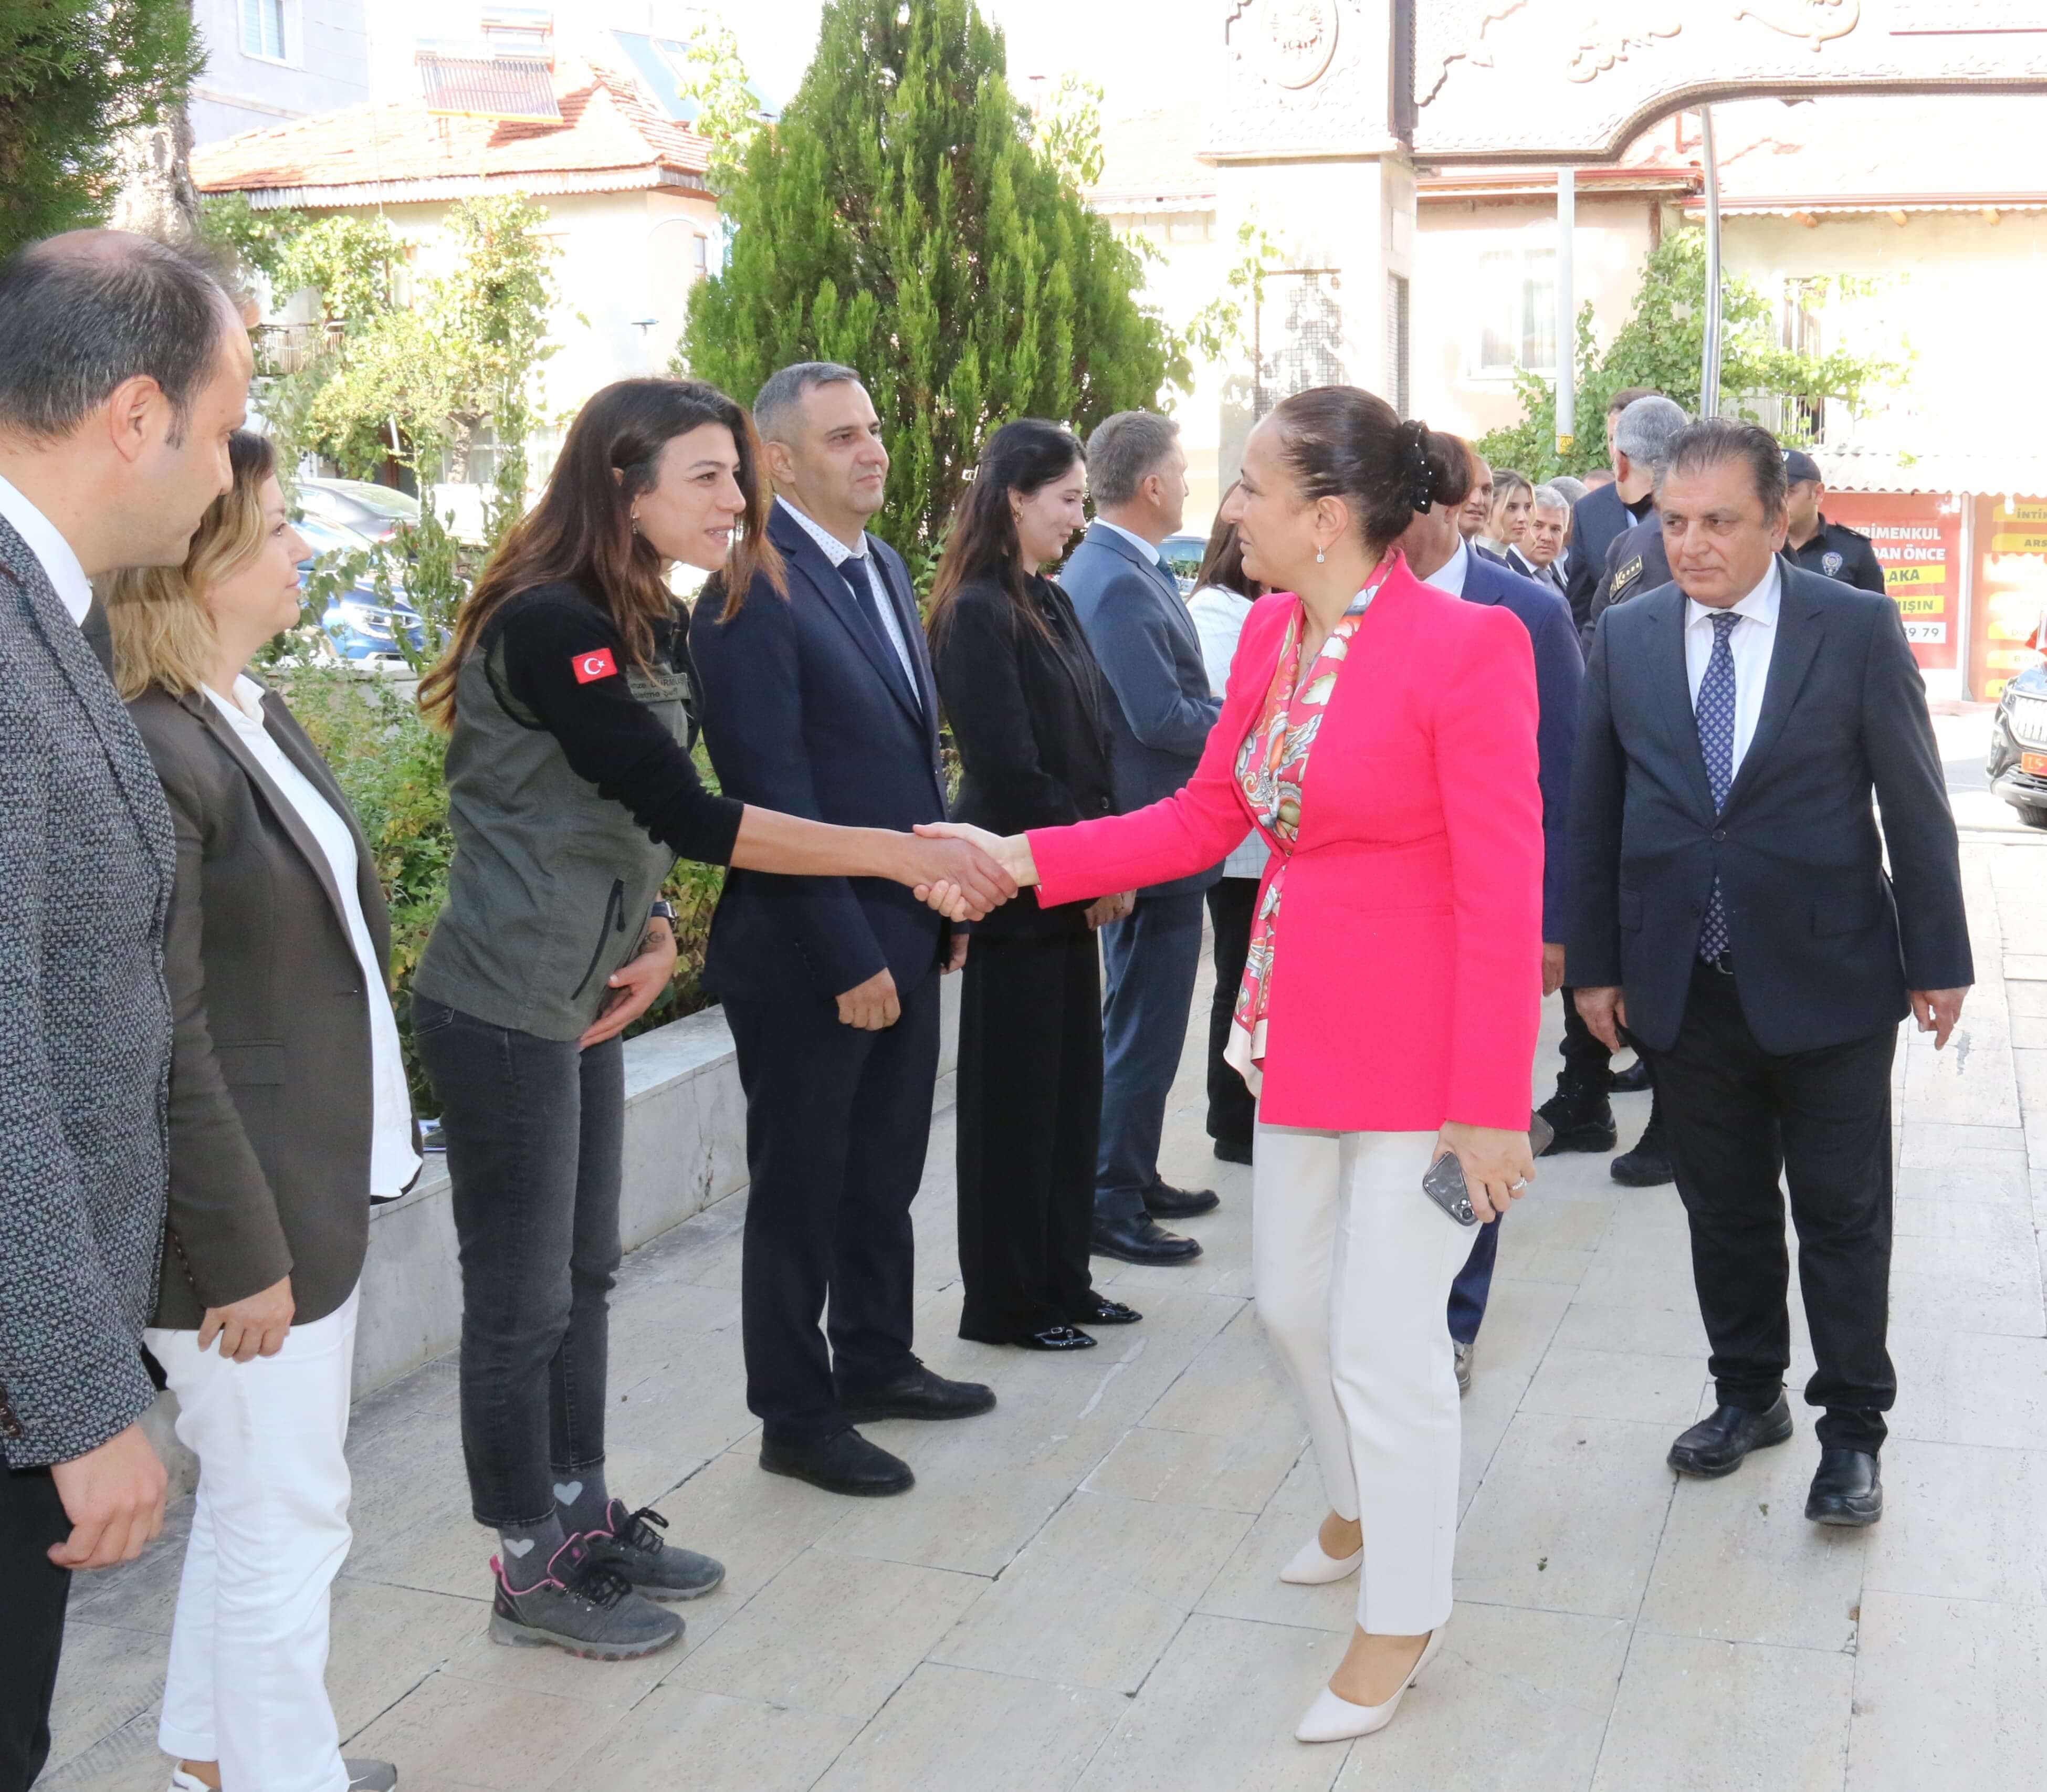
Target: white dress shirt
{"type": "Point", "coordinates": [837, 551]}
{"type": "Point", "coordinates": [1219, 615]}
{"type": "Point", "coordinates": [59, 561]}
{"type": "Point", "coordinates": [1148, 549]}
{"type": "Point", "coordinates": [1450, 575]}
{"type": "Point", "coordinates": [392, 1161]}
{"type": "Point", "coordinates": [1751, 641]}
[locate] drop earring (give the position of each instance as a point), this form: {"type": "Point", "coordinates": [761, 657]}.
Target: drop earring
{"type": "Point", "coordinates": [1320, 556]}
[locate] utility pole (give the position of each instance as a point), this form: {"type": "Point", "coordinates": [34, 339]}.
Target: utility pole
{"type": "Point", "coordinates": [1567, 323]}
{"type": "Point", "coordinates": [1709, 372]}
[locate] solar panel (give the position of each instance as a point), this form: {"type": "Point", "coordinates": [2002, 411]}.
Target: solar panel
{"type": "Point", "coordinates": [512, 88]}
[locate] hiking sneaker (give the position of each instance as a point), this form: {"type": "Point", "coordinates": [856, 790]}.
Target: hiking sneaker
{"type": "Point", "coordinates": [631, 1543]}
{"type": "Point", "coordinates": [585, 1606]}
{"type": "Point", "coordinates": [363, 1776]}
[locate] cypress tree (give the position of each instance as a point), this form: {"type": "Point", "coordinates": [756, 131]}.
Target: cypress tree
{"type": "Point", "coordinates": [899, 220]}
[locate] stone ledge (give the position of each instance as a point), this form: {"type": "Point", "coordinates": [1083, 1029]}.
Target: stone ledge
{"type": "Point", "coordinates": [685, 1148]}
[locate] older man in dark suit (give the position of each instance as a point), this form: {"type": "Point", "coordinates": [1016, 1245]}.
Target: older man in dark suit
{"type": "Point", "coordinates": [1438, 553]}
{"type": "Point", "coordinates": [123, 368]}
{"type": "Point", "coordinates": [1732, 908]}
{"type": "Point", "coordinates": [1131, 610]}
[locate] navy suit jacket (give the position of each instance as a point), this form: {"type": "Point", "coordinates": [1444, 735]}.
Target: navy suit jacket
{"type": "Point", "coordinates": [1597, 520]}
{"type": "Point", "coordinates": [1150, 653]}
{"type": "Point", "coordinates": [1559, 670]}
{"type": "Point", "coordinates": [806, 709]}
{"type": "Point", "coordinates": [1825, 943]}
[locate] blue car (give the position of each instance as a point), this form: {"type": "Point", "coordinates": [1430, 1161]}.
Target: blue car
{"type": "Point", "coordinates": [362, 625]}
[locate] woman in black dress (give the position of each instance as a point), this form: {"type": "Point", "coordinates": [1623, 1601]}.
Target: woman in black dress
{"type": "Point", "coordinates": [1027, 703]}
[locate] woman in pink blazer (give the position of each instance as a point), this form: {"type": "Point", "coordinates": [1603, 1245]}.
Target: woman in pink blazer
{"type": "Point", "coordinates": [1380, 735]}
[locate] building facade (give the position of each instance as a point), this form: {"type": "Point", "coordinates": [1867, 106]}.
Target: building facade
{"type": "Point", "coordinates": [271, 61]}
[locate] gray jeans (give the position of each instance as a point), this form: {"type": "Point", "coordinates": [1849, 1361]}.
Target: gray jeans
{"type": "Point", "coordinates": [535, 1129]}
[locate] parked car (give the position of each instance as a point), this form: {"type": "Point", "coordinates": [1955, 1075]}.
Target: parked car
{"type": "Point", "coordinates": [362, 623]}
{"type": "Point", "coordinates": [373, 512]}
{"type": "Point", "coordinates": [1183, 554]}
{"type": "Point", "coordinates": [2018, 761]}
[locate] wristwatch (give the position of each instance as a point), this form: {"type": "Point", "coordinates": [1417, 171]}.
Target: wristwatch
{"type": "Point", "coordinates": [663, 910]}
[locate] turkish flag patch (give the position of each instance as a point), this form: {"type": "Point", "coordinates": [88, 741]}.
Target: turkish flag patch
{"type": "Point", "coordinates": [591, 666]}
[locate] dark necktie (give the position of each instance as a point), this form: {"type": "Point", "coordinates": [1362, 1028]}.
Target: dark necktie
{"type": "Point", "coordinates": [855, 571]}
{"type": "Point", "coordinates": [1716, 719]}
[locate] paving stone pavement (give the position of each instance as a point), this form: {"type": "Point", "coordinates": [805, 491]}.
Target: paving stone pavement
{"type": "Point", "coordinates": [1081, 1591]}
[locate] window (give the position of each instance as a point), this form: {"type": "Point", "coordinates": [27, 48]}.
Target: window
{"type": "Point", "coordinates": [1804, 300]}
{"type": "Point", "coordinates": [700, 257]}
{"type": "Point", "coordinates": [263, 28]}
{"type": "Point", "coordinates": [1518, 314]}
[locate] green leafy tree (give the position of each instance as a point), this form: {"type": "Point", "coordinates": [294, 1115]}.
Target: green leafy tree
{"type": "Point", "coordinates": [1661, 345]}
{"type": "Point", "coordinates": [255, 240]}
{"type": "Point", "coordinates": [900, 219]}
{"type": "Point", "coordinates": [75, 74]}
{"type": "Point", "coordinates": [1068, 131]}
{"type": "Point", "coordinates": [728, 109]}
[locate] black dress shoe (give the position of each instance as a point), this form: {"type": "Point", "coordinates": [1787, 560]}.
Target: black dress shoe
{"type": "Point", "coordinates": [1633, 1080]}
{"type": "Point", "coordinates": [1717, 1446]}
{"type": "Point", "coordinates": [1581, 1123]}
{"type": "Point", "coordinates": [919, 1394]}
{"type": "Point", "coordinates": [1163, 1201]}
{"type": "Point", "coordinates": [1142, 1240]}
{"type": "Point", "coordinates": [1648, 1165]}
{"type": "Point", "coordinates": [1103, 1311]}
{"type": "Point", "coordinates": [1848, 1489]}
{"type": "Point", "coordinates": [1056, 1338]}
{"type": "Point", "coordinates": [1229, 1151]}
{"type": "Point", "coordinates": [846, 1464]}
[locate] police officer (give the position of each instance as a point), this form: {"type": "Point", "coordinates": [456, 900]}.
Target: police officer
{"type": "Point", "coordinates": [1817, 544]}
{"type": "Point", "coordinates": [1634, 563]}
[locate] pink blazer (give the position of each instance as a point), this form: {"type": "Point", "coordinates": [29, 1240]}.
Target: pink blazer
{"type": "Point", "coordinates": [1407, 984]}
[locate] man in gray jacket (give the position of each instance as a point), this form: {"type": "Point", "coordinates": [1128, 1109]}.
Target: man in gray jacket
{"type": "Point", "coordinates": [123, 368]}
{"type": "Point", "coordinates": [1130, 609]}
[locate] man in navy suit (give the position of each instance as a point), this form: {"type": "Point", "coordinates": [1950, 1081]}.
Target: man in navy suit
{"type": "Point", "coordinates": [1639, 424]}
{"type": "Point", "coordinates": [1131, 610]}
{"type": "Point", "coordinates": [1731, 906]}
{"type": "Point", "coordinates": [821, 704]}
{"type": "Point", "coordinates": [1438, 553]}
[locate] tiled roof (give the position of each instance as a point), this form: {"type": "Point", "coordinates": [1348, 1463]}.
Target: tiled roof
{"type": "Point", "coordinates": [611, 137]}
{"type": "Point", "coordinates": [1149, 163]}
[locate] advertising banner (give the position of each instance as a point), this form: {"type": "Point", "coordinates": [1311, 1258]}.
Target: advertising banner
{"type": "Point", "coordinates": [1918, 541]}
{"type": "Point", "coordinates": [2012, 589]}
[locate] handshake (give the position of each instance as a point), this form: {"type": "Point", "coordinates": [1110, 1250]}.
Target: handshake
{"type": "Point", "coordinates": [963, 872]}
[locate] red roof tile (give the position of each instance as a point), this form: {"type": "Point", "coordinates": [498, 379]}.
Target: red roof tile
{"type": "Point", "coordinates": [610, 137]}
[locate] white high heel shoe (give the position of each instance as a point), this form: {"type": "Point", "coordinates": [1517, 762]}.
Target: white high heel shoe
{"type": "Point", "coordinates": [1311, 1568]}
{"type": "Point", "coordinates": [1331, 1719]}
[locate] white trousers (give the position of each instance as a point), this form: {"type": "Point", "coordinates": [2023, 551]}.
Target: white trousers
{"type": "Point", "coordinates": [1352, 1266]}
{"type": "Point", "coordinates": [247, 1682]}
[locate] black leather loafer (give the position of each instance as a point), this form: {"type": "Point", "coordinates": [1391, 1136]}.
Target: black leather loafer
{"type": "Point", "coordinates": [1848, 1489]}
{"type": "Point", "coordinates": [1142, 1240]}
{"type": "Point", "coordinates": [1103, 1311]}
{"type": "Point", "coordinates": [846, 1464]}
{"type": "Point", "coordinates": [1633, 1080]}
{"type": "Point", "coordinates": [1163, 1201]}
{"type": "Point", "coordinates": [1717, 1446]}
{"type": "Point", "coordinates": [1231, 1151]}
{"type": "Point", "coordinates": [917, 1395]}
{"type": "Point", "coordinates": [1580, 1125]}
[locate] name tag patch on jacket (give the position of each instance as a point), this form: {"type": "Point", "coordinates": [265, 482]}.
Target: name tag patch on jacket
{"type": "Point", "coordinates": [591, 666]}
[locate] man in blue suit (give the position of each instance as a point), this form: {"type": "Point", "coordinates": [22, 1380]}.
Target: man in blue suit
{"type": "Point", "coordinates": [821, 704]}
{"type": "Point", "coordinates": [1130, 609]}
{"type": "Point", "coordinates": [1438, 553]}
{"type": "Point", "coordinates": [1734, 906]}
